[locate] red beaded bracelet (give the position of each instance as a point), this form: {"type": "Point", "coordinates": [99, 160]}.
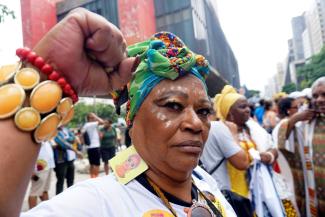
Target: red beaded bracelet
{"type": "Point", "coordinates": [25, 54]}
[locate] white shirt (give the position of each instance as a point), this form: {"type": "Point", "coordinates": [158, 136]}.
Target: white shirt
{"type": "Point", "coordinates": [45, 159]}
{"type": "Point", "coordinates": [92, 130]}
{"type": "Point", "coordinates": [220, 144]}
{"type": "Point", "coordinates": [105, 197]}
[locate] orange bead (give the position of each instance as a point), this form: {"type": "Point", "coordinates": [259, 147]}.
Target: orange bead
{"type": "Point", "coordinates": [46, 96]}
{"type": "Point", "coordinates": [47, 127]}
{"type": "Point", "coordinates": [12, 97]}
{"type": "Point", "coordinates": [7, 72]}
{"type": "Point", "coordinates": [27, 119]}
{"type": "Point", "coordinates": [28, 78]}
{"type": "Point", "coordinates": [68, 117]}
{"type": "Point", "coordinates": [64, 107]}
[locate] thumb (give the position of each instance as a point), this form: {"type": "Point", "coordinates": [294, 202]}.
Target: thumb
{"type": "Point", "coordinates": [124, 74]}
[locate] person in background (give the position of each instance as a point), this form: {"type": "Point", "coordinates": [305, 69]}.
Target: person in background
{"type": "Point", "coordinates": [65, 155]}
{"type": "Point", "coordinates": [108, 143]}
{"type": "Point", "coordinates": [270, 117]}
{"type": "Point", "coordinates": [41, 178]}
{"type": "Point", "coordinates": [260, 150]}
{"type": "Point", "coordinates": [93, 151]}
{"type": "Point", "coordinates": [306, 152]}
{"type": "Point", "coordinates": [221, 147]}
{"type": "Point", "coordinates": [259, 112]}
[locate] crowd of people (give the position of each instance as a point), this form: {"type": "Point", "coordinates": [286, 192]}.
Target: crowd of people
{"type": "Point", "coordinates": [59, 154]}
{"type": "Point", "coordinates": [266, 162]}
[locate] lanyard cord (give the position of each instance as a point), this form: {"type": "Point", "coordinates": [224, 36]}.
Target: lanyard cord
{"type": "Point", "coordinates": [162, 196]}
{"type": "Point", "coordinates": [167, 204]}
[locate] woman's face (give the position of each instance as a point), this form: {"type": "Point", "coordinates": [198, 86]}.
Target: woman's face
{"type": "Point", "coordinates": [172, 125]}
{"type": "Point", "coordinates": [240, 112]}
{"type": "Point", "coordinates": [319, 98]}
{"type": "Point", "coordinates": [293, 108]}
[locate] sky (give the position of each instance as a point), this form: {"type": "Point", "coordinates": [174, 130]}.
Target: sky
{"type": "Point", "coordinates": [258, 31]}
{"type": "Point", "coordinates": [11, 33]}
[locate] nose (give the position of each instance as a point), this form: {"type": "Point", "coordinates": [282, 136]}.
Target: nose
{"type": "Point", "coordinates": [191, 122]}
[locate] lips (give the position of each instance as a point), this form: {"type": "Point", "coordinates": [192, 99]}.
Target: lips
{"type": "Point", "coordinates": [190, 147]}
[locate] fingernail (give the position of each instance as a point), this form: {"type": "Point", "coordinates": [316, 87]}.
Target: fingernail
{"type": "Point", "coordinates": [136, 63]}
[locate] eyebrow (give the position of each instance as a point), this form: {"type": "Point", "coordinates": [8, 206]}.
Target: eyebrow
{"type": "Point", "coordinates": [172, 93]}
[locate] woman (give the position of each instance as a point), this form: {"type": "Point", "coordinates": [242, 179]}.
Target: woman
{"type": "Point", "coordinates": [169, 120]}
{"type": "Point", "coordinates": [234, 107]}
{"type": "Point", "coordinates": [270, 117]}
{"type": "Point", "coordinates": [108, 143]}
{"type": "Point", "coordinates": [301, 139]}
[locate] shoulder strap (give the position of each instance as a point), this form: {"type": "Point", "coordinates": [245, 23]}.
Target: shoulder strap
{"type": "Point", "coordinates": [216, 167]}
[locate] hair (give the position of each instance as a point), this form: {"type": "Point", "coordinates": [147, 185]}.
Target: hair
{"type": "Point", "coordinates": [261, 102]}
{"type": "Point", "coordinates": [318, 82]}
{"type": "Point", "coordinates": [268, 105]}
{"type": "Point", "coordinates": [285, 104]}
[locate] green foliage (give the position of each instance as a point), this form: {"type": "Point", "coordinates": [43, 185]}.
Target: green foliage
{"type": "Point", "coordinates": [289, 88]}
{"type": "Point", "coordinates": [252, 93]}
{"type": "Point", "coordinates": [5, 11]}
{"type": "Point", "coordinates": [314, 69]}
{"type": "Point", "coordinates": [101, 110]}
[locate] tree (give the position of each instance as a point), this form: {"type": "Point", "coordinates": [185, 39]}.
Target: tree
{"type": "Point", "coordinates": [314, 69]}
{"type": "Point", "coordinates": [289, 88]}
{"type": "Point", "coordinates": [102, 110]}
{"type": "Point", "coordinates": [5, 11]}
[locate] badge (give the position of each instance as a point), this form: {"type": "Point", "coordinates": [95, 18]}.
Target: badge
{"type": "Point", "coordinates": [127, 165]}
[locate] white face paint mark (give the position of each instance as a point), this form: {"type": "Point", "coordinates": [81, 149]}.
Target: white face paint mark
{"type": "Point", "coordinates": [161, 116]}
{"type": "Point", "coordinates": [167, 124]}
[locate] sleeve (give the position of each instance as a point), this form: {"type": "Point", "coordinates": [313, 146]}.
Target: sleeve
{"type": "Point", "coordinates": [80, 200]}
{"type": "Point", "coordinates": [226, 142]}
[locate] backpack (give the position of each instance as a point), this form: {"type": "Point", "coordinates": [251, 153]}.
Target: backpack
{"type": "Point", "coordinates": [86, 138]}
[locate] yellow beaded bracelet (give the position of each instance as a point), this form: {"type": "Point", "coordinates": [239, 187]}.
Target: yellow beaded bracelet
{"type": "Point", "coordinates": [37, 106]}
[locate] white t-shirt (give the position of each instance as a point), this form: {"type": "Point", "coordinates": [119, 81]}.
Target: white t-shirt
{"type": "Point", "coordinates": [220, 144]}
{"type": "Point", "coordinates": [105, 197]}
{"type": "Point", "coordinates": [45, 159]}
{"type": "Point", "coordinates": [92, 130]}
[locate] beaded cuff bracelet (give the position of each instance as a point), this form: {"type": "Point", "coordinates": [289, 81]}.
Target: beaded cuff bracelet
{"type": "Point", "coordinates": [38, 106]}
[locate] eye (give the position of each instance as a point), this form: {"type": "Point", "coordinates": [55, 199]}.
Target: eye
{"type": "Point", "coordinates": [174, 106]}
{"type": "Point", "coordinates": [204, 112]}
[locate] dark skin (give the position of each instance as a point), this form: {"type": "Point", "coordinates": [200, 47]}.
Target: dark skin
{"type": "Point", "coordinates": [318, 107]}
{"type": "Point", "coordinates": [66, 48]}
{"type": "Point", "coordinates": [239, 114]}
{"type": "Point", "coordinates": [169, 132]}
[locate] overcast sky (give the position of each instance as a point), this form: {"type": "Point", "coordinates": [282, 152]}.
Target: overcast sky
{"type": "Point", "coordinates": [11, 33]}
{"type": "Point", "coordinates": [257, 31]}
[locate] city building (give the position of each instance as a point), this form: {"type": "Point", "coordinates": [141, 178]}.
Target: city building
{"type": "Point", "coordinates": [298, 27]}
{"type": "Point", "coordinates": [315, 24]}
{"type": "Point", "coordinates": [196, 22]}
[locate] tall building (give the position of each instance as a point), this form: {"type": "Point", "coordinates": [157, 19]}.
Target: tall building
{"type": "Point", "coordinates": [108, 9]}
{"type": "Point", "coordinates": [196, 22]}
{"type": "Point", "coordinates": [315, 23]}
{"type": "Point", "coordinates": [298, 27]}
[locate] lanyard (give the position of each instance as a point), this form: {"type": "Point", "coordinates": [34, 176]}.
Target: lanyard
{"type": "Point", "coordinates": [168, 205]}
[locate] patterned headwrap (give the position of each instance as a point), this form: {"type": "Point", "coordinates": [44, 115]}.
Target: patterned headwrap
{"type": "Point", "coordinates": [224, 101]}
{"type": "Point", "coordinates": [163, 56]}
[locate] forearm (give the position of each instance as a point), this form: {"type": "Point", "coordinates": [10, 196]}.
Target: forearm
{"type": "Point", "coordinates": [18, 154]}
{"type": "Point", "coordinates": [291, 124]}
